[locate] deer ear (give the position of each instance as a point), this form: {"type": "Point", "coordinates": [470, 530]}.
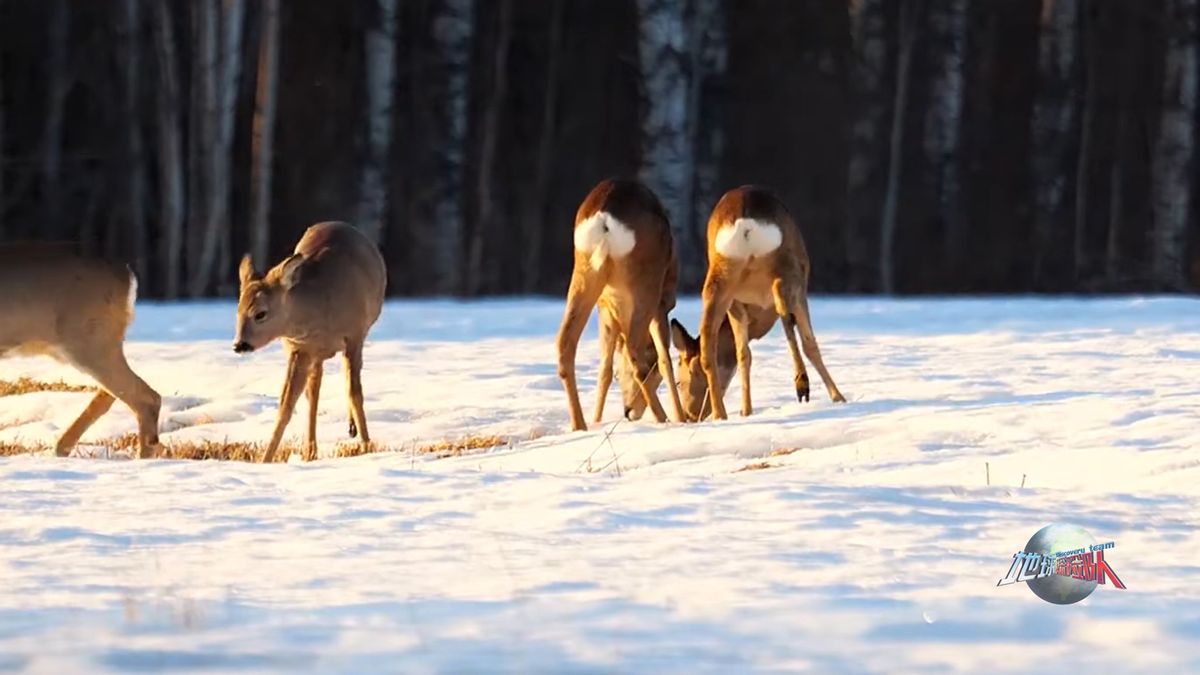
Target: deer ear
{"type": "Point", "coordinates": [685, 343]}
{"type": "Point", "coordinates": [246, 271]}
{"type": "Point", "coordinates": [291, 271]}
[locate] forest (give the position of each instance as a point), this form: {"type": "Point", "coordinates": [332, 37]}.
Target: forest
{"type": "Point", "coordinates": [923, 146]}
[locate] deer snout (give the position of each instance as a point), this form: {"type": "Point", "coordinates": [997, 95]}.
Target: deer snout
{"type": "Point", "coordinates": [629, 413]}
{"type": "Point", "coordinates": [242, 347]}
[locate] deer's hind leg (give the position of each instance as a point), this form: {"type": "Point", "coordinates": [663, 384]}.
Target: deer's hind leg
{"type": "Point", "coordinates": [783, 308]}
{"type": "Point", "coordinates": [798, 306]}
{"type": "Point", "coordinates": [636, 335]}
{"type": "Point", "coordinates": [585, 290]}
{"type": "Point", "coordinates": [107, 365]}
{"type": "Point", "coordinates": [608, 345]}
{"type": "Point", "coordinates": [100, 404]}
{"type": "Point", "coordinates": [739, 321]}
{"type": "Point", "coordinates": [353, 356]}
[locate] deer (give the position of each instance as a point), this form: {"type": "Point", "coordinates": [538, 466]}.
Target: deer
{"type": "Point", "coordinates": [625, 262]}
{"type": "Point", "coordinates": [321, 300]}
{"type": "Point", "coordinates": [758, 272]}
{"type": "Point", "coordinates": [77, 309]}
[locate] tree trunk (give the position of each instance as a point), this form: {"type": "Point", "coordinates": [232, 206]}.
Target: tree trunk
{"type": "Point", "coordinates": [535, 222]}
{"type": "Point", "coordinates": [1054, 113]}
{"type": "Point", "coordinates": [381, 69]}
{"type": "Point", "coordinates": [1174, 148]}
{"type": "Point", "coordinates": [263, 134]}
{"type": "Point", "coordinates": [222, 84]}
{"type": "Point", "coordinates": [1086, 133]}
{"type": "Point", "coordinates": [453, 31]}
{"type": "Point", "coordinates": [943, 124]}
{"type": "Point", "coordinates": [910, 12]}
{"type": "Point", "coordinates": [170, 149]}
{"type": "Point", "coordinates": [709, 59]}
{"type": "Point", "coordinates": [487, 154]}
{"type": "Point", "coordinates": [135, 237]}
{"type": "Point", "coordinates": [58, 83]}
{"type": "Point", "coordinates": [668, 157]}
{"type": "Point", "coordinates": [3, 194]}
{"type": "Point", "coordinates": [869, 27]}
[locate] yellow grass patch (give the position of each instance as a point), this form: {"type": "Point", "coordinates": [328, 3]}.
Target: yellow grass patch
{"type": "Point", "coordinates": [757, 466]}
{"type": "Point", "coordinates": [28, 385]}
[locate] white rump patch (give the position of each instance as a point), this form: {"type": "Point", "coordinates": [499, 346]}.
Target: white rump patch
{"type": "Point", "coordinates": [133, 289]}
{"type": "Point", "coordinates": [601, 236]}
{"type": "Point", "coordinates": [747, 238]}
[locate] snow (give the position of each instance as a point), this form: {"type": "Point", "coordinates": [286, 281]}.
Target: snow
{"type": "Point", "coordinates": [874, 547]}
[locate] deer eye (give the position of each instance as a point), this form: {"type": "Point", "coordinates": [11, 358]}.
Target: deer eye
{"type": "Point", "coordinates": [260, 316]}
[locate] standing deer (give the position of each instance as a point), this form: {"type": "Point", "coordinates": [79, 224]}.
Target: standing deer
{"type": "Point", "coordinates": [758, 270]}
{"type": "Point", "coordinates": [625, 261]}
{"type": "Point", "coordinates": [320, 301]}
{"type": "Point", "coordinates": [76, 310]}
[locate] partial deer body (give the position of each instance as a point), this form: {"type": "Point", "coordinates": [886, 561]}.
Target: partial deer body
{"type": "Point", "coordinates": [75, 309]}
{"type": "Point", "coordinates": [320, 301]}
{"type": "Point", "coordinates": [758, 269]}
{"type": "Point", "coordinates": [625, 262]}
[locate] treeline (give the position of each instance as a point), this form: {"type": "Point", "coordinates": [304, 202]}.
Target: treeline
{"type": "Point", "coordinates": [922, 145]}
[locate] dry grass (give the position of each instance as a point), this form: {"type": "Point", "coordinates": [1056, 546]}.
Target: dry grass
{"type": "Point", "coordinates": [28, 385]}
{"type": "Point", "coordinates": [757, 466]}
{"type": "Point", "coordinates": [251, 452]}
{"type": "Point", "coordinates": [780, 452]}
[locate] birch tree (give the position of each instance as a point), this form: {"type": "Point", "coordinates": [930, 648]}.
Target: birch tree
{"type": "Point", "coordinates": [910, 12]}
{"type": "Point", "coordinates": [1174, 148]}
{"type": "Point", "coordinates": [668, 153]}
{"type": "Point", "coordinates": [453, 31]}
{"type": "Point", "coordinates": [381, 69]}
{"type": "Point", "coordinates": [1055, 110]}
{"type": "Point", "coordinates": [943, 120]}
{"type": "Point", "coordinates": [221, 87]}
{"type": "Point", "coordinates": [869, 90]}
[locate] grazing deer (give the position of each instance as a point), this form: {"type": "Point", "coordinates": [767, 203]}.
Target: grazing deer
{"type": "Point", "coordinates": [757, 269]}
{"type": "Point", "coordinates": [320, 301]}
{"type": "Point", "coordinates": [76, 310]}
{"type": "Point", "coordinates": [611, 342]}
{"type": "Point", "coordinates": [625, 261]}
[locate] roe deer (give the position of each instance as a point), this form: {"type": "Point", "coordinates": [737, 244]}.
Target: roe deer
{"type": "Point", "coordinates": [625, 261]}
{"type": "Point", "coordinates": [758, 269]}
{"type": "Point", "coordinates": [76, 309]}
{"type": "Point", "coordinates": [320, 301]}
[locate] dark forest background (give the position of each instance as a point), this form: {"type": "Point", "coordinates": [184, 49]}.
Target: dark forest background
{"type": "Point", "coordinates": [922, 145]}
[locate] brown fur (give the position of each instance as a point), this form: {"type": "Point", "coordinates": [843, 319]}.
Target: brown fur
{"type": "Point", "coordinates": [75, 309]}
{"type": "Point", "coordinates": [744, 292]}
{"type": "Point", "coordinates": [320, 301]}
{"type": "Point", "coordinates": [635, 293]}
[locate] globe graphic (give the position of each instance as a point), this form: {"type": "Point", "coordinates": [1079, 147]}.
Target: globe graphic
{"type": "Point", "coordinates": [1052, 539]}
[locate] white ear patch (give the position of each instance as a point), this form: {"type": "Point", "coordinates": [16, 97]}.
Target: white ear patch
{"type": "Point", "coordinates": [601, 236]}
{"type": "Point", "coordinates": [747, 237]}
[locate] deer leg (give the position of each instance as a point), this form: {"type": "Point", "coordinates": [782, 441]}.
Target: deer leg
{"type": "Point", "coordinates": [112, 372]}
{"type": "Point", "coordinates": [717, 300]}
{"type": "Point", "coordinates": [293, 383]}
{"type": "Point", "coordinates": [783, 307]}
{"type": "Point", "coordinates": [312, 391]}
{"type": "Point", "coordinates": [353, 356]}
{"type": "Point", "coordinates": [581, 298]}
{"type": "Point", "coordinates": [607, 348]}
{"type": "Point", "coordinates": [100, 404]}
{"type": "Point", "coordinates": [809, 340]}
{"type": "Point", "coordinates": [659, 332]}
{"type": "Point", "coordinates": [740, 323]}
{"type": "Point", "coordinates": [635, 347]}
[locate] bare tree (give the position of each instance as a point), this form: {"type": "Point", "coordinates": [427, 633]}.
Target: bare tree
{"type": "Point", "coordinates": [943, 120]}
{"type": "Point", "coordinates": [170, 149]}
{"type": "Point", "coordinates": [490, 134]}
{"type": "Point", "coordinates": [1054, 113]}
{"type": "Point", "coordinates": [1174, 149]}
{"type": "Point", "coordinates": [219, 144]}
{"type": "Point", "coordinates": [128, 30]}
{"type": "Point", "coordinates": [453, 30]}
{"type": "Point", "coordinates": [870, 44]}
{"type": "Point", "coordinates": [668, 153]}
{"type": "Point", "coordinates": [266, 102]}
{"type": "Point", "coordinates": [1091, 56]}
{"type": "Point", "coordinates": [709, 54]}
{"type": "Point", "coordinates": [910, 12]}
{"type": "Point", "coordinates": [59, 83]}
{"type": "Point", "coordinates": [3, 194]}
{"type": "Point", "coordinates": [534, 223]}
{"type": "Point", "coordinates": [381, 69]}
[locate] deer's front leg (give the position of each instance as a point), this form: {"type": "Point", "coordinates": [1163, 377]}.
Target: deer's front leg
{"type": "Point", "coordinates": [716, 306]}
{"type": "Point", "coordinates": [312, 391]}
{"type": "Point", "coordinates": [293, 384]}
{"type": "Point", "coordinates": [608, 346]}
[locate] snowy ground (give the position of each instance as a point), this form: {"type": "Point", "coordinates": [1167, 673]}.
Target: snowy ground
{"type": "Point", "coordinates": [875, 547]}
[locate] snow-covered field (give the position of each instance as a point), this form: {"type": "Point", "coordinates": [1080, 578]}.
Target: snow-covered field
{"type": "Point", "coordinates": [874, 547]}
